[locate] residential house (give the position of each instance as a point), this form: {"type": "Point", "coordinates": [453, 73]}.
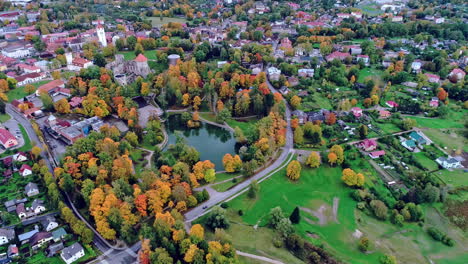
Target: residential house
{"type": "Point", "coordinates": [418, 138]}
{"type": "Point", "coordinates": [357, 112]}
{"type": "Point", "coordinates": [79, 63]}
{"type": "Point", "coordinates": [293, 81]}
{"type": "Point", "coordinates": [432, 78]}
{"type": "Point", "coordinates": [8, 161]}
{"type": "Point", "coordinates": [449, 162]}
{"type": "Point", "coordinates": [7, 139]}
{"type": "Point", "coordinates": [363, 58]}
{"type": "Point", "coordinates": [306, 72]}
{"type": "Point", "coordinates": [274, 73]}
{"type": "Point", "coordinates": [384, 114]}
{"type": "Point", "coordinates": [286, 43]}
{"type": "Point", "coordinates": [39, 239]}
{"type": "Point", "coordinates": [38, 206]}
{"type": "Point", "coordinates": [59, 234]}
{"type": "Point", "coordinates": [397, 19]}
{"type": "Point", "coordinates": [457, 74]}
{"type": "Point", "coordinates": [17, 51]}
{"type": "Point", "coordinates": [20, 157]}
{"type": "Point", "coordinates": [49, 223]}
{"type": "Point", "coordinates": [416, 66]}
{"type": "Point", "coordinates": [54, 249]}
{"type": "Point", "coordinates": [409, 144]}
{"type": "Point", "coordinates": [434, 102]}
{"type": "Point", "coordinates": [26, 236]}
{"type": "Point", "coordinates": [29, 78]}
{"type": "Point", "coordinates": [338, 56]}
{"type": "Point", "coordinates": [6, 235]}
{"type": "Point", "coordinates": [13, 251]}
{"type": "Point", "coordinates": [391, 104]}
{"type": "Point", "coordinates": [72, 253]}
{"type": "Point", "coordinates": [50, 87]}
{"type": "Point", "coordinates": [301, 116]}
{"type": "Point", "coordinates": [31, 189]}
{"type": "Point", "coordinates": [28, 68]}
{"type": "Point", "coordinates": [25, 170]}
{"type": "Point", "coordinates": [21, 211]}
{"type": "Point", "coordinates": [368, 144]}
{"type": "Point", "coordinates": [377, 154]}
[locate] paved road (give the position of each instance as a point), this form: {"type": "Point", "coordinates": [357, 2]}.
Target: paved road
{"type": "Point", "coordinates": [261, 258]}
{"type": "Point", "coordinates": [217, 197]}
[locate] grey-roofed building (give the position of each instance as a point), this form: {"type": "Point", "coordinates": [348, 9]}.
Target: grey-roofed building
{"type": "Point", "coordinates": [31, 189]}
{"type": "Point", "coordinates": [53, 249]}
{"type": "Point", "coordinates": [28, 235]}
{"type": "Point", "coordinates": [6, 235]}
{"type": "Point", "coordinates": [49, 223]}
{"type": "Point", "coordinates": [58, 234]}
{"type": "Point", "coordinates": [39, 239]}
{"type": "Point", "coordinates": [72, 253]}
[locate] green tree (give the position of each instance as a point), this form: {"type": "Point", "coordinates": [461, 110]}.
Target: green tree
{"type": "Point", "coordinates": [139, 49]}
{"type": "Point", "coordinates": [47, 101]}
{"type": "Point", "coordinates": [295, 216]}
{"type": "Point", "coordinates": [363, 131]}
{"type": "Point", "coordinates": [99, 60]}
{"type": "Point", "coordinates": [299, 136]}
{"type": "Point", "coordinates": [253, 190]}
{"type": "Point", "coordinates": [217, 218]}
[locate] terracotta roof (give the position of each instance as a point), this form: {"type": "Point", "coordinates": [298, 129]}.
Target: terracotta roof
{"type": "Point", "coordinates": [141, 58]}
{"type": "Point", "coordinates": [5, 135]}
{"type": "Point", "coordinates": [25, 167]}
{"type": "Point", "coordinates": [29, 75]}
{"type": "Point", "coordinates": [50, 85]}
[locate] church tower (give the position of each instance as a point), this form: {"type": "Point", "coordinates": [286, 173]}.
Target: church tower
{"type": "Point", "coordinates": [101, 35]}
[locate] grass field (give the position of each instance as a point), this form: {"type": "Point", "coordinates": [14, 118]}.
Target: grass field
{"type": "Point", "coordinates": [130, 55]}
{"type": "Point", "coordinates": [208, 116]}
{"type": "Point", "coordinates": [456, 178]}
{"type": "Point", "coordinates": [453, 120]}
{"type": "Point", "coordinates": [450, 138]}
{"type": "Point", "coordinates": [244, 126]}
{"type": "Point", "coordinates": [426, 161]}
{"type": "Point", "coordinates": [320, 188]}
{"type": "Point", "coordinates": [19, 92]}
{"type": "Point", "coordinates": [368, 72]}
{"type": "Point", "coordinates": [222, 187]}
{"type": "Point", "coordinates": [4, 118]}
{"type": "Point", "coordinates": [157, 22]}
{"type": "Point", "coordinates": [222, 176]}
{"type": "Point", "coordinates": [388, 128]}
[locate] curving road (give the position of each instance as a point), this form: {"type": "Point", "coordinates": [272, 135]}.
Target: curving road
{"type": "Point", "coordinates": [217, 197]}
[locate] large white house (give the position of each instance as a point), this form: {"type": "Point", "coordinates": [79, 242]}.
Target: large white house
{"type": "Point", "coordinates": [449, 162]}
{"type": "Point", "coordinates": [6, 235]}
{"type": "Point", "coordinates": [72, 253]}
{"type": "Point", "coordinates": [17, 52]}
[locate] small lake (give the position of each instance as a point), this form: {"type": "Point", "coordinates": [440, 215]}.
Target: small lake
{"type": "Point", "coordinates": [211, 141]}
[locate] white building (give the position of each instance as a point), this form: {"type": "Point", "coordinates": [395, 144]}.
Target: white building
{"type": "Point", "coordinates": [6, 235]}
{"type": "Point", "coordinates": [101, 35]}
{"type": "Point", "coordinates": [16, 52]}
{"type": "Point", "coordinates": [72, 253]}
{"type": "Point", "coordinates": [274, 73]}
{"type": "Point", "coordinates": [449, 162]}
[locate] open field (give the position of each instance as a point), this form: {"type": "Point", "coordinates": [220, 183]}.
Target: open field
{"type": "Point", "coordinates": [317, 192]}
{"type": "Point", "coordinates": [157, 22]}
{"type": "Point", "coordinates": [456, 178]}
{"type": "Point", "coordinates": [225, 175]}
{"type": "Point", "coordinates": [19, 92]}
{"type": "Point", "coordinates": [244, 126]}
{"type": "Point", "coordinates": [222, 187]}
{"type": "Point", "coordinates": [449, 138]}
{"type": "Point", "coordinates": [368, 72]}
{"type": "Point", "coordinates": [426, 161]}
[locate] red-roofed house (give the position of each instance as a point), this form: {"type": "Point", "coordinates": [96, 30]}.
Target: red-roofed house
{"type": "Point", "coordinates": [338, 55]}
{"type": "Point", "coordinates": [391, 104]}
{"type": "Point", "coordinates": [76, 101]}
{"type": "Point", "coordinates": [377, 154]}
{"type": "Point", "coordinates": [432, 78]}
{"type": "Point", "coordinates": [384, 114]}
{"type": "Point", "coordinates": [29, 78]}
{"type": "Point", "coordinates": [79, 63]}
{"type": "Point", "coordinates": [434, 102]}
{"type": "Point", "coordinates": [25, 170]}
{"type": "Point", "coordinates": [141, 58]}
{"type": "Point", "coordinates": [357, 112]}
{"type": "Point", "coordinates": [50, 87]}
{"type": "Point", "coordinates": [7, 139]}
{"type": "Point", "coordinates": [28, 68]}
{"type": "Point", "coordinates": [368, 144]}
{"type": "Point", "coordinates": [457, 74]}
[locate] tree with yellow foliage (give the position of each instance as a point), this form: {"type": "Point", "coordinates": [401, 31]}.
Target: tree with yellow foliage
{"type": "Point", "coordinates": [36, 151]}
{"type": "Point", "coordinates": [55, 75]}
{"type": "Point", "coordinates": [185, 99]}
{"type": "Point", "coordinates": [62, 106]}
{"type": "Point", "coordinates": [197, 231]}
{"type": "Point", "coordinates": [352, 178]}
{"type": "Point", "coordinates": [313, 160]}
{"type": "Point", "coordinates": [295, 101]}
{"type": "Point", "coordinates": [196, 102]}
{"type": "Point", "coordinates": [293, 171]}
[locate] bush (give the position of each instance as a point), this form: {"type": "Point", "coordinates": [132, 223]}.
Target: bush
{"type": "Point", "coordinates": [438, 235]}
{"type": "Point", "coordinates": [278, 242]}
{"type": "Point", "coordinates": [224, 205]}
{"type": "Point", "coordinates": [240, 212]}
{"type": "Point", "coordinates": [364, 244]}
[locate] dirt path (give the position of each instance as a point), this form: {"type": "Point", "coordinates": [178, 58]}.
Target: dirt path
{"type": "Point", "coordinates": [336, 202]}
{"type": "Point", "coordinates": [319, 214]}
{"type": "Point", "coordinates": [261, 258]}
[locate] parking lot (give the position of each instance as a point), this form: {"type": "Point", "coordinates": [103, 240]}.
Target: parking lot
{"type": "Point", "coordinates": [56, 146]}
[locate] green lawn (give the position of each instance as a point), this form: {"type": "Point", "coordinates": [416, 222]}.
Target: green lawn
{"type": "Point", "coordinates": [426, 161]}
{"type": "Point", "coordinates": [244, 126]}
{"type": "Point", "coordinates": [130, 55]}
{"type": "Point", "coordinates": [222, 176]}
{"type": "Point", "coordinates": [27, 142]}
{"type": "Point", "coordinates": [157, 22]}
{"type": "Point", "coordinates": [208, 116]}
{"type": "Point", "coordinates": [222, 187]}
{"type": "Point", "coordinates": [451, 138]}
{"type": "Point", "coordinates": [388, 128]}
{"type": "Point", "coordinates": [368, 72]}
{"type": "Point", "coordinates": [4, 118]}
{"type": "Point", "coordinates": [453, 120]}
{"type": "Point", "coordinates": [456, 178]}
{"type": "Point", "coordinates": [19, 92]}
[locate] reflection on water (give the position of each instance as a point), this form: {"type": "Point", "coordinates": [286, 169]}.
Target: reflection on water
{"type": "Point", "coordinates": [211, 141]}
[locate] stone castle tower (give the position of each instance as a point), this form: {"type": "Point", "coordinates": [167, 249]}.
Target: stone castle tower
{"type": "Point", "coordinates": [101, 35]}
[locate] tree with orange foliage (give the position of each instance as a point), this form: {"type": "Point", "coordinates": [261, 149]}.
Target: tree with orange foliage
{"type": "Point", "coordinates": [277, 97]}
{"type": "Point", "coordinates": [145, 89]}
{"type": "Point", "coordinates": [442, 94]}
{"type": "Point", "coordinates": [219, 105]}
{"type": "Point", "coordinates": [330, 119]}
{"type": "Point", "coordinates": [185, 99]}
{"type": "Point", "coordinates": [332, 158]}
{"type": "Point", "coordinates": [294, 123]}
{"type": "Point", "coordinates": [141, 204]}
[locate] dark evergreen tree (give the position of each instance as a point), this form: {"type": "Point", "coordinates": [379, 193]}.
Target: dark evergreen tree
{"type": "Point", "coordinates": [295, 216]}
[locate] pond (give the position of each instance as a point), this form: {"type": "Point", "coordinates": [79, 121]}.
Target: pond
{"type": "Point", "coordinates": [211, 141]}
